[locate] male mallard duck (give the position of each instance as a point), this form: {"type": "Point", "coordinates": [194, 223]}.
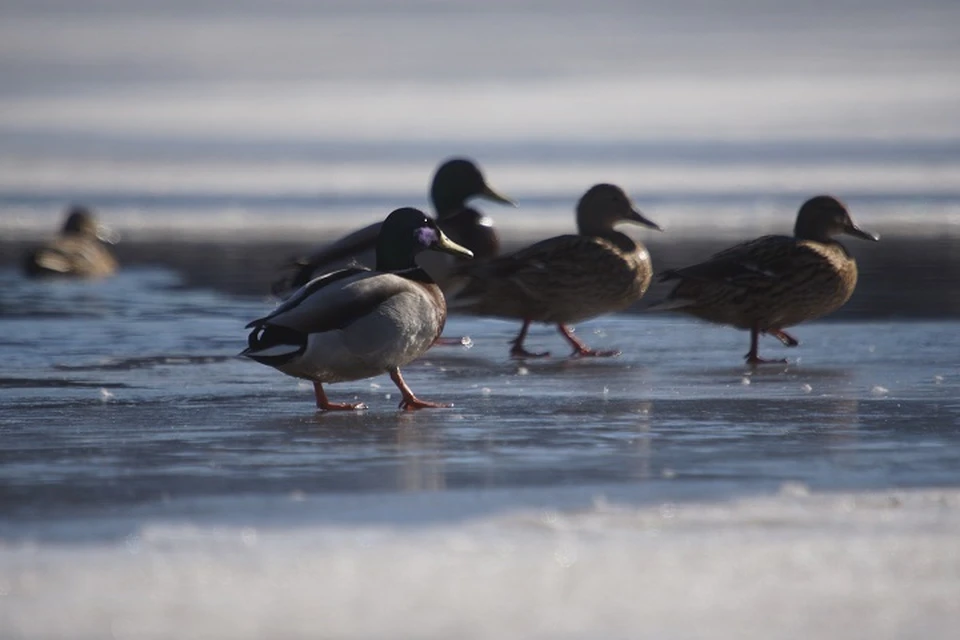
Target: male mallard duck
{"type": "Point", "coordinates": [774, 282]}
{"type": "Point", "coordinates": [356, 323]}
{"type": "Point", "coordinates": [78, 251]}
{"type": "Point", "coordinates": [568, 278]}
{"type": "Point", "coordinates": [456, 181]}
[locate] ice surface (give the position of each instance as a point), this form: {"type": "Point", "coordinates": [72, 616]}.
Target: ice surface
{"type": "Point", "coordinates": [865, 565]}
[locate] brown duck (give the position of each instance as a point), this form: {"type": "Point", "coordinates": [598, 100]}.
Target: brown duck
{"type": "Point", "coordinates": [774, 282]}
{"type": "Point", "coordinates": [567, 278]}
{"type": "Point", "coordinates": [78, 251]}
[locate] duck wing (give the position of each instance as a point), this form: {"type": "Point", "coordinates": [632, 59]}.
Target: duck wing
{"type": "Point", "coordinates": [343, 300]}
{"type": "Point", "coordinates": [529, 263]}
{"type": "Point", "coordinates": [71, 255]}
{"type": "Point", "coordinates": [316, 306]}
{"type": "Point", "coordinates": [350, 246]}
{"type": "Point", "coordinates": [559, 272]}
{"type": "Point", "coordinates": [757, 263]}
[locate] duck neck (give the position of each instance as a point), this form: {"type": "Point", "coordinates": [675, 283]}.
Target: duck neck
{"type": "Point", "coordinates": [416, 274]}
{"type": "Point", "coordinates": [590, 227]}
{"type": "Point", "coordinates": [391, 260]}
{"type": "Point", "coordinates": [820, 237]}
{"type": "Point", "coordinates": [395, 254]}
{"type": "Point", "coordinates": [803, 230]}
{"type": "Point", "coordinates": [445, 202]}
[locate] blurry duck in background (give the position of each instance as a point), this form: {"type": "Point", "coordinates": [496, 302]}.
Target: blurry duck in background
{"type": "Point", "coordinates": [455, 182]}
{"type": "Point", "coordinates": [356, 323]}
{"type": "Point", "coordinates": [567, 278]}
{"type": "Point", "coordinates": [774, 282]}
{"type": "Point", "coordinates": [78, 251]}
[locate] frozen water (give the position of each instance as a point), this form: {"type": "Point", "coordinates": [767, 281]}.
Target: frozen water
{"type": "Point", "coordinates": [882, 564]}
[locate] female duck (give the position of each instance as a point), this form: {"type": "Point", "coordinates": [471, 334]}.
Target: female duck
{"type": "Point", "coordinates": [456, 181]}
{"type": "Point", "coordinates": [567, 278]}
{"type": "Point", "coordinates": [78, 251]}
{"type": "Point", "coordinates": [356, 323]}
{"type": "Point", "coordinates": [774, 282]}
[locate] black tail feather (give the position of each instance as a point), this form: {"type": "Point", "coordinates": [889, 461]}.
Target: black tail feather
{"type": "Point", "coordinates": [264, 337]}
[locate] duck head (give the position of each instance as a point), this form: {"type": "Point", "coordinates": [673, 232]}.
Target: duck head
{"type": "Point", "coordinates": [407, 232]}
{"type": "Point", "coordinates": [81, 222]}
{"type": "Point", "coordinates": [822, 217]}
{"type": "Point", "coordinates": [456, 181]}
{"type": "Point", "coordinates": [603, 206]}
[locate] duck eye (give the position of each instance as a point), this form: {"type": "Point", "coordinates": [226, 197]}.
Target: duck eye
{"type": "Point", "coordinates": [425, 236]}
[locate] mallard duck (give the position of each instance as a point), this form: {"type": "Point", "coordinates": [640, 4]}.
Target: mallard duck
{"type": "Point", "coordinates": [455, 182]}
{"type": "Point", "coordinates": [356, 323]}
{"type": "Point", "coordinates": [78, 250]}
{"type": "Point", "coordinates": [774, 282]}
{"type": "Point", "coordinates": [567, 278]}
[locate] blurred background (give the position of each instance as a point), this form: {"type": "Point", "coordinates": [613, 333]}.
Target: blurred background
{"type": "Point", "coordinates": [285, 122]}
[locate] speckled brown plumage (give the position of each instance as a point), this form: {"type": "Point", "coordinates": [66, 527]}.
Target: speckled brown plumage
{"type": "Point", "coordinates": [774, 282]}
{"type": "Point", "coordinates": [568, 278]}
{"type": "Point", "coordinates": [78, 251]}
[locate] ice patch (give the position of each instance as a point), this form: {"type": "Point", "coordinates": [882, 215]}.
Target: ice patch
{"type": "Point", "coordinates": [827, 566]}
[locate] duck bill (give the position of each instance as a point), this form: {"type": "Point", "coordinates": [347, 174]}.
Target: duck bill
{"type": "Point", "coordinates": [857, 232]}
{"type": "Point", "coordinates": [639, 218]}
{"type": "Point", "coordinates": [489, 194]}
{"type": "Point", "coordinates": [446, 245]}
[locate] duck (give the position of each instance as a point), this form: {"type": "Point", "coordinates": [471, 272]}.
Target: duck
{"type": "Point", "coordinates": [78, 251]}
{"type": "Point", "coordinates": [567, 278]}
{"type": "Point", "coordinates": [356, 322]}
{"type": "Point", "coordinates": [455, 181]}
{"type": "Point", "coordinates": [776, 281]}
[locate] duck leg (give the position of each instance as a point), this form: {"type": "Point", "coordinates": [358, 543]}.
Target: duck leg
{"type": "Point", "coordinates": [410, 402]}
{"type": "Point", "coordinates": [580, 349]}
{"type": "Point", "coordinates": [517, 350]}
{"type": "Point", "coordinates": [784, 337]}
{"type": "Point", "coordinates": [325, 405]}
{"type": "Point", "coordinates": [752, 357]}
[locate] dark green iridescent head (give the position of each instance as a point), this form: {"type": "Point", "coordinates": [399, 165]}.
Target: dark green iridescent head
{"type": "Point", "coordinates": [456, 181]}
{"type": "Point", "coordinates": [405, 233]}
{"type": "Point", "coordinates": [822, 217]}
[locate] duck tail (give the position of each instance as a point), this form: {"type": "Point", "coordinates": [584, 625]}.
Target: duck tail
{"type": "Point", "coordinates": [273, 345]}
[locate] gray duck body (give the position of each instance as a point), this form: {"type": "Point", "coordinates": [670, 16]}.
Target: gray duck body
{"type": "Point", "coordinates": [357, 323]}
